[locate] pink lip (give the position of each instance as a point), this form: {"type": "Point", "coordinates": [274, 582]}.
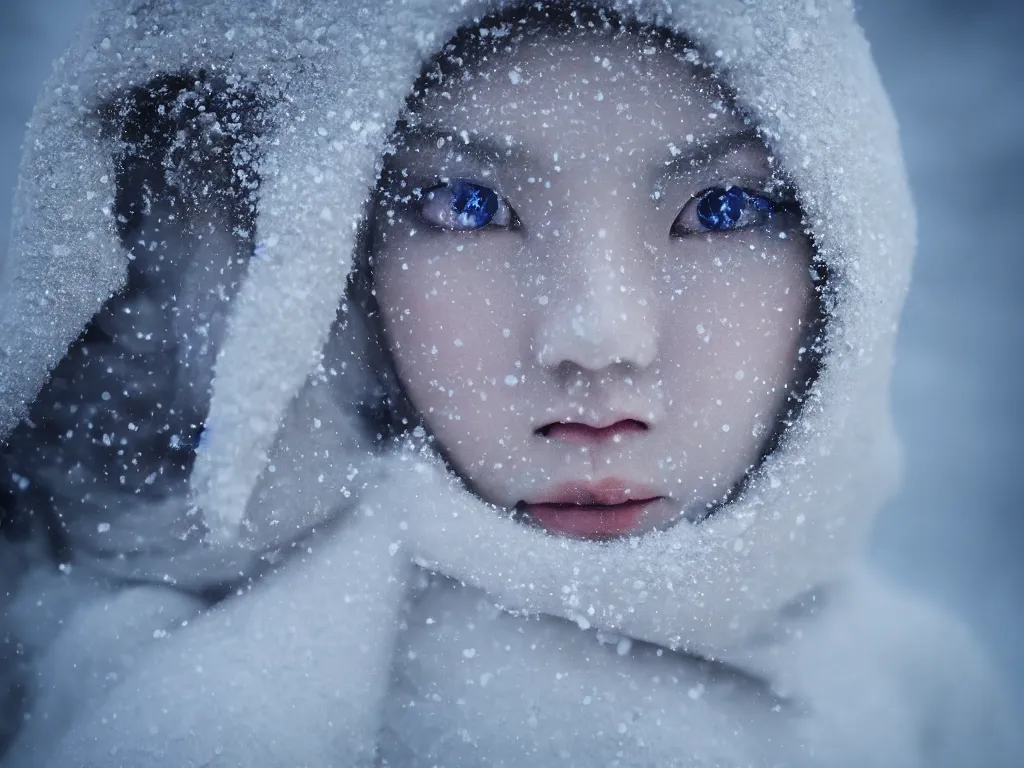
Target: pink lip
{"type": "Point", "coordinates": [610, 508]}
{"type": "Point", "coordinates": [586, 434]}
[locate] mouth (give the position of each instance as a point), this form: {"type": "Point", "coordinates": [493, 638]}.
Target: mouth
{"type": "Point", "coordinates": [610, 509]}
{"type": "Point", "coordinates": [588, 434]}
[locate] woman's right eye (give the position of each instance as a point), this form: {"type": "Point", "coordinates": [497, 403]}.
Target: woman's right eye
{"type": "Point", "coordinates": [463, 206]}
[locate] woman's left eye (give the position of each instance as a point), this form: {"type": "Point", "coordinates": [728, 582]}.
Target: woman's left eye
{"type": "Point", "coordinates": [464, 206]}
{"type": "Point", "coordinates": [723, 209]}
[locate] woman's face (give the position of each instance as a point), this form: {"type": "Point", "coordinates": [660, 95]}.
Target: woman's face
{"type": "Point", "coordinates": [593, 292]}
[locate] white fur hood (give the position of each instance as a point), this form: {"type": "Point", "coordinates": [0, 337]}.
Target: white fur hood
{"type": "Point", "coordinates": [334, 76]}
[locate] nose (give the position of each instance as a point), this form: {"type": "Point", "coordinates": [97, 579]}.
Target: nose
{"type": "Point", "coordinates": [603, 311]}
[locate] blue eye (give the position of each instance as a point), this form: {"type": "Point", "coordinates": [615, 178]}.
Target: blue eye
{"type": "Point", "coordinates": [464, 206]}
{"type": "Point", "coordinates": [718, 210]}
{"type": "Point", "coordinates": [723, 209]}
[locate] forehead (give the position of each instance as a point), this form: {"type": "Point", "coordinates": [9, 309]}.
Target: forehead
{"type": "Point", "coordinates": [551, 89]}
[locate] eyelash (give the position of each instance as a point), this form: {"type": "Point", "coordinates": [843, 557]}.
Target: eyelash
{"type": "Point", "coordinates": [726, 209]}
{"type": "Point", "coordinates": [463, 206]}
{"type": "Point", "coordinates": [460, 205]}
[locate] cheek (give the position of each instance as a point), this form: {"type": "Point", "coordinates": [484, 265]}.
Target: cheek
{"type": "Point", "coordinates": [454, 335]}
{"type": "Point", "coordinates": [738, 317]}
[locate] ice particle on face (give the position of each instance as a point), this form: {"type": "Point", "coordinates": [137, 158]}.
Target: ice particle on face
{"type": "Point", "coordinates": [515, 76]}
{"type": "Point", "coordinates": [542, 300]}
{"type": "Point", "coordinates": [458, 342]}
{"type": "Point", "coordinates": [740, 375]}
{"type": "Point", "coordinates": [506, 332]}
{"type": "Point", "coordinates": [725, 427]}
{"type": "Point", "coordinates": [511, 381]}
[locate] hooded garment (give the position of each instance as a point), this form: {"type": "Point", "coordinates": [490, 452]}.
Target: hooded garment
{"type": "Point", "coordinates": [246, 580]}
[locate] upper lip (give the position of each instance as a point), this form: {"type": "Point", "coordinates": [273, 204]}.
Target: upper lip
{"type": "Point", "coordinates": [585, 432]}
{"type": "Point", "coordinates": [608, 492]}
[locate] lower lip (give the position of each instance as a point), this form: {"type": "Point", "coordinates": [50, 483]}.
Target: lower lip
{"type": "Point", "coordinates": [588, 521]}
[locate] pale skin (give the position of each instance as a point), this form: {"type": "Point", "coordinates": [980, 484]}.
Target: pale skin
{"type": "Point", "coordinates": [593, 356]}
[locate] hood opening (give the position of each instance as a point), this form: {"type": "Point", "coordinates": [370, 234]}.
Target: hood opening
{"type": "Point", "coordinates": [394, 416]}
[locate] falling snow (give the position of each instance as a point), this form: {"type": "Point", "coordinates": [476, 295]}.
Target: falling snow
{"type": "Point", "coordinates": [352, 470]}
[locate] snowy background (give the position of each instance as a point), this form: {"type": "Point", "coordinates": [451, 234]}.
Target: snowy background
{"type": "Point", "coordinates": [954, 71]}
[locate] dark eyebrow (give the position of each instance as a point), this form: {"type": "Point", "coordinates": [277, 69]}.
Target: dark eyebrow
{"type": "Point", "coordinates": [710, 152]}
{"type": "Point", "coordinates": [484, 148]}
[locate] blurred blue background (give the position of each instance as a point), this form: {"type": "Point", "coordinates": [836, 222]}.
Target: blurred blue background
{"type": "Point", "coordinates": [955, 72]}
